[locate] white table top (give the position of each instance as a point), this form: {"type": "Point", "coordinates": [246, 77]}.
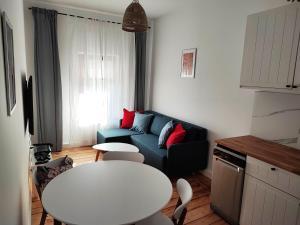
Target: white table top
{"type": "Point", "coordinates": [116, 147]}
{"type": "Point", "coordinates": [107, 192]}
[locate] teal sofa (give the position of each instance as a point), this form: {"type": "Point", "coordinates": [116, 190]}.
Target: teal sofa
{"type": "Point", "coordinates": [183, 158]}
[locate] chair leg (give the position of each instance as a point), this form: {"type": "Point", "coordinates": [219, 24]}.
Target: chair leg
{"type": "Point", "coordinates": [43, 218]}
{"type": "Point", "coordinates": [182, 217]}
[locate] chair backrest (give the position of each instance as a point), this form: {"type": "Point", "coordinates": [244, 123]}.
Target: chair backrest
{"type": "Point", "coordinates": [52, 163]}
{"type": "Point", "coordinates": [128, 156]}
{"type": "Point", "coordinates": [185, 192]}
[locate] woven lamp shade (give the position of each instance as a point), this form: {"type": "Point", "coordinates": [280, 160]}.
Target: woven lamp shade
{"type": "Point", "coordinates": [135, 19]}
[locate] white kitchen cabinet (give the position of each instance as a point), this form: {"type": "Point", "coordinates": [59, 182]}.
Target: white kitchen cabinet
{"type": "Point", "coordinates": [273, 175]}
{"type": "Point", "coordinates": [271, 48]}
{"type": "Point", "coordinates": [265, 205]}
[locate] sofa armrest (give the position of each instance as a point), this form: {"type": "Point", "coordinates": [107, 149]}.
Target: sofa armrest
{"type": "Point", "coordinates": [188, 156]}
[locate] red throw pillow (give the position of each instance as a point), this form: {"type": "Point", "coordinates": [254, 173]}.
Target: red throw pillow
{"type": "Point", "coordinates": [128, 118]}
{"type": "Point", "coordinates": [176, 136]}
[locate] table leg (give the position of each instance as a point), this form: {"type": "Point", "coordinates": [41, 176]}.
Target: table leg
{"type": "Point", "coordinates": [56, 222]}
{"type": "Point", "coordinates": [97, 156]}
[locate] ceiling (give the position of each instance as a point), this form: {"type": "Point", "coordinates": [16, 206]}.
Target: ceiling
{"type": "Point", "coordinates": [153, 8]}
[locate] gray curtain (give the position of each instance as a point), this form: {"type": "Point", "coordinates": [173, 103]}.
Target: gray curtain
{"type": "Point", "coordinates": [47, 75]}
{"type": "Point", "coordinates": [140, 70]}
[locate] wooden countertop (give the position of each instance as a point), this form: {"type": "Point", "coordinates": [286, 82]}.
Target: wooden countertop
{"type": "Point", "coordinates": [282, 156]}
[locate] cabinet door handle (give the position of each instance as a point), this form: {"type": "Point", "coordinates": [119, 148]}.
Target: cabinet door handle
{"type": "Point", "coordinates": [288, 86]}
{"type": "Point", "coordinates": [294, 86]}
{"type": "Point", "coordinates": [273, 168]}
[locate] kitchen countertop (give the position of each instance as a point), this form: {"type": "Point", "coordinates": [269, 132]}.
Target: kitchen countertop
{"type": "Point", "coordinates": [282, 156]}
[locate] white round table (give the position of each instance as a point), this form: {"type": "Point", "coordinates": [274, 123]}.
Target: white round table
{"type": "Point", "coordinates": [114, 147]}
{"type": "Point", "coordinates": [108, 193]}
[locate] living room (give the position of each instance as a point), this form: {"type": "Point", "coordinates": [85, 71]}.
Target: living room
{"type": "Point", "coordinates": [204, 82]}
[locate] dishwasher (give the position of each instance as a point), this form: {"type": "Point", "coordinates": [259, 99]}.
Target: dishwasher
{"type": "Point", "coordinates": [228, 170]}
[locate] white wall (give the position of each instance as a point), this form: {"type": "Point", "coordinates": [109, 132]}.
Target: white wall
{"type": "Point", "coordinates": [276, 117]}
{"type": "Point", "coordinates": [15, 206]}
{"type": "Point", "coordinates": [213, 99]}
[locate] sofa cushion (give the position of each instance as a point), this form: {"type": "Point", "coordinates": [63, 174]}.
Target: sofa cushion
{"type": "Point", "coordinates": [128, 118]}
{"type": "Point", "coordinates": [141, 122]}
{"type": "Point", "coordinates": [158, 123]}
{"type": "Point", "coordinates": [114, 135]}
{"type": "Point", "coordinates": [147, 144]}
{"type": "Point", "coordinates": [165, 133]}
{"type": "Point", "coordinates": [176, 136]}
{"type": "Point", "coordinates": [149, 141]}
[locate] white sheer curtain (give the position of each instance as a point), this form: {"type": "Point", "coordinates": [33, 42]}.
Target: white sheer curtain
{"type": "Point", "coordinates": [97, 70]}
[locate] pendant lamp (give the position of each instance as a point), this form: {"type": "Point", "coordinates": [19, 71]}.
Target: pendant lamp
{"type": "Point", "coordinates": [135, 19]}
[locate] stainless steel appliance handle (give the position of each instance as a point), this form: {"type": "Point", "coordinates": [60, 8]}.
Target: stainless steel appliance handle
{"type": "Point", "coordinates": [230, 164]}
{"type": "Point", "coordinates": [230, 153]}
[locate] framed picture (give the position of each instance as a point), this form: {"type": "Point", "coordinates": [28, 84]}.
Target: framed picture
{"type": "Point", "coordinates": [9, 64]}
{"type": "Point", "coordinates": [188, 63]}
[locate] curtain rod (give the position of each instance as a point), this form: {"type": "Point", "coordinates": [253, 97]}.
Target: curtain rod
{"type": "Point", "coordinates": [88, 18]}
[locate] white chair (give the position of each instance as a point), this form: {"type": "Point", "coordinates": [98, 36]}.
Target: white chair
{"type": "Point", "coordinates": [51, 164]}
{"type": "Point", "coordinates": [185, 192]}
{"type": "Point", "coordinates": [128, 156]}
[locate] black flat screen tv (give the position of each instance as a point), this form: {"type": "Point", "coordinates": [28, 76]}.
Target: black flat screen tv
{"type": "Point", "coordinates": [28, 105]}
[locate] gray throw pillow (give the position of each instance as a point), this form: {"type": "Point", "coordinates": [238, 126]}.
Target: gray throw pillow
{"type": "Point", "coordinates": [141, 122]}
{"type": "Point", "coordinates": [165, 133]}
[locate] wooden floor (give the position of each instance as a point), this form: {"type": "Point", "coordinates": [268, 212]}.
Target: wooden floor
{"type": "Point", "coordinates": [199, 212]}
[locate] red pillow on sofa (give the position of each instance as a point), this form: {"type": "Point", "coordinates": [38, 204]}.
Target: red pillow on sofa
{"type": "Point", "coordinates": [128, 118]}
{"type": "Point", "coordinates": [176, 136]}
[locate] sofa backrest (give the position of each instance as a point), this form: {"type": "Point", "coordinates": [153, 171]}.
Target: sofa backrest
{"type": "Point", "coordinates": [157, 124]}
{"type": "Point", "coordinates": [194, 132]}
